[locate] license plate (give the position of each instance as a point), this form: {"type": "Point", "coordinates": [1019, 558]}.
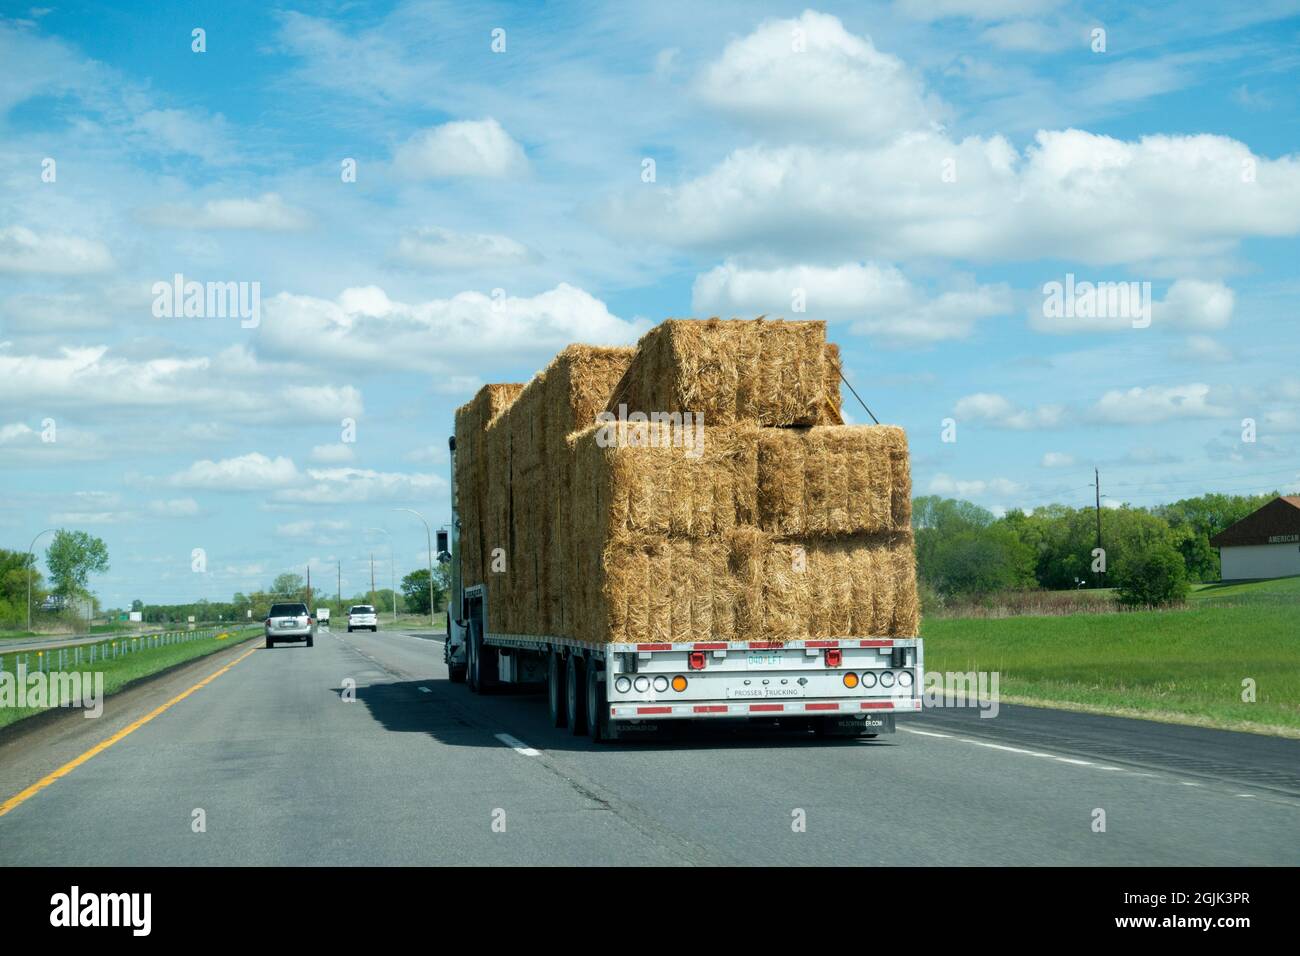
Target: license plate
{"type": "Point", "coordinates": [288, 623]}
{"type": "Point", "coordinates": [760, 661]}
{"type": "Point", "coordinates": [760, 693]}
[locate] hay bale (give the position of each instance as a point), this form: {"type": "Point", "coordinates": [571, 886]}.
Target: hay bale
{"type": "Point", "coordinates": [655, 589]}
{"type": "Point", "coordinates": [800, 588]}
{"type": "Point", "coordinates": [580, 381]}
{"type": "Point", "coordinates": [833, 480]}
{"type": "Point", "coordinates": [472, 420]}
{"type": "Point", "coordinates": [768, 372]}
{"type": "Point", "coordinates": [652, 478]}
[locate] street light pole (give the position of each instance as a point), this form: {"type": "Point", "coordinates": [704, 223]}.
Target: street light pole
{"type": "Point", "coordinates": [392, 570]}
{"type": "Point", "coordinates": [428, 538]}
{"type": "Point", "coordinates": [30, 568]}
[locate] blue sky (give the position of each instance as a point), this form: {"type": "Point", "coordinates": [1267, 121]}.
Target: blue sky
{"type": "Point", "coordinates": [918, 171]}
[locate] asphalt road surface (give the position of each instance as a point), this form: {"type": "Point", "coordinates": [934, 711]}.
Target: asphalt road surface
{"type": "Point", "coordinates": [285, 769]}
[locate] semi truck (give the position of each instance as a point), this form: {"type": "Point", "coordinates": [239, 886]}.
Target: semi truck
{"type": "Point", "coordinates": [536, 487]}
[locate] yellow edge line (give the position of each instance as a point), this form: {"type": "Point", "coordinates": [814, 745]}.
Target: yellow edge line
{"type": "Point", "coordinates": [103, 745]}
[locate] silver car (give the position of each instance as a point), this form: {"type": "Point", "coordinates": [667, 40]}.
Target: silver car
{"type": "Point", "coordinates": [290, 622]}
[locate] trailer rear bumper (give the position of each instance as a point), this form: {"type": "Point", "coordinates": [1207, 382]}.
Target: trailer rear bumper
{"type": "Point", "coordinates": [764, 709]}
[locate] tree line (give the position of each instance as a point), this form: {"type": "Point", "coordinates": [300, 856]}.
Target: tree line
{"type": "Point", "coordinates": [964, 550]}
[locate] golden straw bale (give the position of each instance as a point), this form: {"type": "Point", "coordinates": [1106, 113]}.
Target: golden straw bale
{"type": "Point", "coordinates": [831, 480]}
{"type": "Point", "coordinates": [798, 588]}
{"type": "Point", "coordinates": [769, 372]}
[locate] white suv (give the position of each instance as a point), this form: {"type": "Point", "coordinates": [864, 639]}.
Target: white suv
{"type": "Point", "coordinates": [362, 617]}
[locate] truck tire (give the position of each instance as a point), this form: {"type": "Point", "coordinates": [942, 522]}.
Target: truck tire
{"type": "Point", "coordinates": [595, 701]}
{"type": "Point", "coordinates": [575, 703]}
{"type": "Point", "coordinates": [455, 672]}
{"type": "Point", "coordinates": [555, 698]}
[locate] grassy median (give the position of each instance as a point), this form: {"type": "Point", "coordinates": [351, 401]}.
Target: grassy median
{"type": "Point", "coordinates": [120, 672]}
{"type": "Point", "coordinates": [1185, 665]}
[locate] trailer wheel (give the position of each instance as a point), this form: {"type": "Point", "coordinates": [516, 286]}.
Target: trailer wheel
{"type": "Point", "coordinates": [597, 708]}
{"type": "Point", "coordinates": [575, 705]}
{"type": "Point", "coordinates": [555, 697]}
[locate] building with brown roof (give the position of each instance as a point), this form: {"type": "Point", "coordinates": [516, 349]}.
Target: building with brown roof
{"type": "Point", "coordinates": [1264, 544]}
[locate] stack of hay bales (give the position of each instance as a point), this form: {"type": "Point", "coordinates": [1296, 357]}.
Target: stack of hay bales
{"type": "Point", "coordinates": [513, 462]}
{"type": "Point", "coordinates": [770, 520]}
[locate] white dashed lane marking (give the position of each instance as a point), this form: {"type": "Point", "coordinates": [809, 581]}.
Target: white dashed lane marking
{"type": "Point", "coordinates": [518, 746]}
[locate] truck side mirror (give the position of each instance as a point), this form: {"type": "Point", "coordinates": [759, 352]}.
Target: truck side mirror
{"type": "Point", "coordinates": [444, 555]}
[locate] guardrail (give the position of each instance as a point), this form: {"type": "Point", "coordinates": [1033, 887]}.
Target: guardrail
{"type": "Point", "coordinates": [107, 649]}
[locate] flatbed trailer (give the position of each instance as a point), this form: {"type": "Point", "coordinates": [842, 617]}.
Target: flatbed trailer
{"type": "Point", "coordinates": [851, 686]}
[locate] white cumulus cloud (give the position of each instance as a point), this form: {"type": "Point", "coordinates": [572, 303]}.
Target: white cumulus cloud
{"type": "Point", "coordinates": [24, 251]}
{"type": "Point", "coordinates": [442, 250]}
{"type": "Point", "coordinates": [1157, 403]}
{"type": "Point", "coordinates": [1000, 412]}
{"type": "Point", "coordinates": [475, 148]}
{"type": "Point", "coordinates": [265, 213]}
{"type": "Point", "coordinates": [812, 76]}
{"type": "Point", "coordinates": [364, 327]}
{"type": "Point", "coordinates": [251, 472]}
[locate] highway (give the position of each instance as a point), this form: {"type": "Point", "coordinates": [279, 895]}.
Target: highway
{"type": "Point", "coordinates": [287, 770]}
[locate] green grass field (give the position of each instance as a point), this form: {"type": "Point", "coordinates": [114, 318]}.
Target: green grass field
{"type": "Point", "coordinates": [123, 671]}
{"type": "Point", "coordinates": [1185, 665]}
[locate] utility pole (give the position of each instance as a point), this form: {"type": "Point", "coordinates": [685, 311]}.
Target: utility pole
{"type": "Point", "coordinates": [372, 577]}
{"type": "Point", "coordinates": [1101, 578]}
{"type": "Point", "coordinates": [340, 568]}
{"type": "Point", "coordinates": [309, 589]}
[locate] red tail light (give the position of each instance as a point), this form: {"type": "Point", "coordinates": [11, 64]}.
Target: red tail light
{"type": "Point", "coordinates": [834, 657]}
{"type": "Point", "coordinates": [696, 660]}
